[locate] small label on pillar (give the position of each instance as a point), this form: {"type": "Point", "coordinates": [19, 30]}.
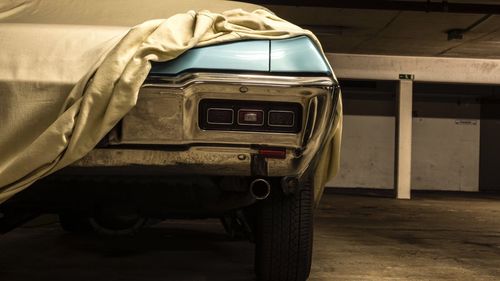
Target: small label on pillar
{"type": "Point", "coordinates": [406, 76]}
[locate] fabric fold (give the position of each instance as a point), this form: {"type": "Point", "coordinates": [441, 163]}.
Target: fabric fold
{"type": "Point", "coordinates": [110, 88]}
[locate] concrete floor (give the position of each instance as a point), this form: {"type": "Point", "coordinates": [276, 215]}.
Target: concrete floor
{"type": "Point", "coordinates": [432, 237]}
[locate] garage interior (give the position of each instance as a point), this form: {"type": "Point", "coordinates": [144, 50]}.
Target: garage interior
{"type": "Point", "coordinates": [421, 92]}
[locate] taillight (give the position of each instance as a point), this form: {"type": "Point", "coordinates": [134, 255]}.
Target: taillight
{"type": "Point", "coordinates": [281, 118]}
{"type": "Point", "coordinates": [260, 116]}
{"type": "Point", "coordinates": [220, 116]}
{"type": "Point", "coordinates": [251, 117]}
{"type": "Point", "coordinates": [279, 153]}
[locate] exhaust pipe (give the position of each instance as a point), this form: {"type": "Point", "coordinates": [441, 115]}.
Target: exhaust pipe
{"type": "Point", "coordinates": [260, 189]}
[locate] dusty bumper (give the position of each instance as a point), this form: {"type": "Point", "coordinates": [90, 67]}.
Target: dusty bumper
{"type": "Point", "coordinates": [162, 130]}
{"type": "Point", "coordinates": [196, 160]}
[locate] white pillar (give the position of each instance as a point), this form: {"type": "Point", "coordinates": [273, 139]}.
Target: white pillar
{"type": "Point", "coordinates": [404, 104]}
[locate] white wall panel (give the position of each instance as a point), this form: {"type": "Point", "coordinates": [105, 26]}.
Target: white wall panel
{"type": "Point", "coordinates": [445, 142]}
{"type": "Point", "coordinates": [367, 156]}
{"type": "Point", "coordinates": [445, 154]}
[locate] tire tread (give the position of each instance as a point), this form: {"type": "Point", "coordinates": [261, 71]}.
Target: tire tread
{"type": "Point", "coordinates": [284, 236]}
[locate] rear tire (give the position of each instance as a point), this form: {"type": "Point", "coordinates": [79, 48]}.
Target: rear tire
{"type": "Point", "coordinates": [284, 235]}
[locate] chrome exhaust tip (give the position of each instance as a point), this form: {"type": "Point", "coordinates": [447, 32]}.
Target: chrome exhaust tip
{"type": "Point", "coordinates": [260, 189]}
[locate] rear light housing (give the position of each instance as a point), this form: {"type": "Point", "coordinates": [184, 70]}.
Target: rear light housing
{"type": "Point", "coordinates": [220, 116]}
{"type": "Point", "coordinates": [258, 116]}
{"type": "Point", "coordinates": [250, 117]}
{"type": "Point", "coordinates": [281, 118]}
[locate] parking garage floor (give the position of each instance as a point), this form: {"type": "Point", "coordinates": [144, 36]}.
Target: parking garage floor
{"type": "Point", "coordinates": [435, 236]}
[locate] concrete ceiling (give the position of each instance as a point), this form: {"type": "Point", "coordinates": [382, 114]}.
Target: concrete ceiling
{"type": "Point", "coordinates": [399, 32]}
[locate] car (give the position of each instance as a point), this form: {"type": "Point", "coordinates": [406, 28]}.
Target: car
{"type": "Point", "coordinates": [234, 131]}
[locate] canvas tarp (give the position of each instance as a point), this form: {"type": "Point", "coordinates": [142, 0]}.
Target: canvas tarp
{"type": "Point", "coordinates": [63, 85]}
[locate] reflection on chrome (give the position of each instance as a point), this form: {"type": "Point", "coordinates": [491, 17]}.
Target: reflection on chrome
{"type": "Point", "coordinates": [180, 96]}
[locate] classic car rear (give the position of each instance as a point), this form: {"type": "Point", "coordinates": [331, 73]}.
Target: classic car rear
{"type": "Point", "coordinates": [233, 131]}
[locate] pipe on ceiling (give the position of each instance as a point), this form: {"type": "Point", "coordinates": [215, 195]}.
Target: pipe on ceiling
{"type": "Point", "coordinates": [422, 6]}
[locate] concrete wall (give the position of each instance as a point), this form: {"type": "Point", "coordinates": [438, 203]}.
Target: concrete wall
{"type": "Point", "coordinates": [446, 137]}
{"type": "Point", "coordinates": [367, 152]}
{"type": "Point", "coordinates": [368, 144]}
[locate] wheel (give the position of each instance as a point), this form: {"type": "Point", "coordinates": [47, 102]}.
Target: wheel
{"type": "Point", "coordinates": [116, 220]}
{"type": "Point", "coordinates": [284, 235]}
{"type": "Point", "coordinates": [74, 223]}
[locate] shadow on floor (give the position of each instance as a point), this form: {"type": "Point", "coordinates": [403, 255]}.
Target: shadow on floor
{"type": "Point", "coordinates": [169, 251]}
{"type": "Point", "coordinates": [436, 236]}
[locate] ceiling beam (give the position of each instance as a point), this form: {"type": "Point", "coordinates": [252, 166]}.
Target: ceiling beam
{"type": "Point", "coordinates": [423, 6]}
{"type": "Point", "coordinates": [424, 69]}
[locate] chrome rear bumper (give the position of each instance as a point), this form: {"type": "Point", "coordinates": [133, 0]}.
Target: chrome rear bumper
{"type": "Point", "coordinates": [162, 130]}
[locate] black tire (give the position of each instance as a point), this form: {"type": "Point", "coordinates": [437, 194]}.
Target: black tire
{"type": "Point", "coordinates": [284, 235]}
{"type": "Point", "coordinates": [74, 223]}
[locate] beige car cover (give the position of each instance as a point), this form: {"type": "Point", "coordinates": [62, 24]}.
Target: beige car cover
{"type": "Point", "coordinates": [70, 70]}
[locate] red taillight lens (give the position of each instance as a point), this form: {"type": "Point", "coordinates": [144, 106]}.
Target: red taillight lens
{"type": "Point", "coordinates": [279, 153]}
{"type": "Point", "coordinates": [251, 117]}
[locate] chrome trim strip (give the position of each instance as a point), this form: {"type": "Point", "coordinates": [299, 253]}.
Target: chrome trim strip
{"type": "Point", "coordinates": [187, 79]}
{"type": "Point", "coordinates": [334, 98]}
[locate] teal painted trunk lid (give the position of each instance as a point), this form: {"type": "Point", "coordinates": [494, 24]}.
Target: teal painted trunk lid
{"type": "Point", "coordinates": [293, 55]}
{"type": "Point", "coordinates": [298, 54]}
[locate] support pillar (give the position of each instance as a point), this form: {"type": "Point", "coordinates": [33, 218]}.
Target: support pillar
{"type": "Point", "coordinates": [404, 104]}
